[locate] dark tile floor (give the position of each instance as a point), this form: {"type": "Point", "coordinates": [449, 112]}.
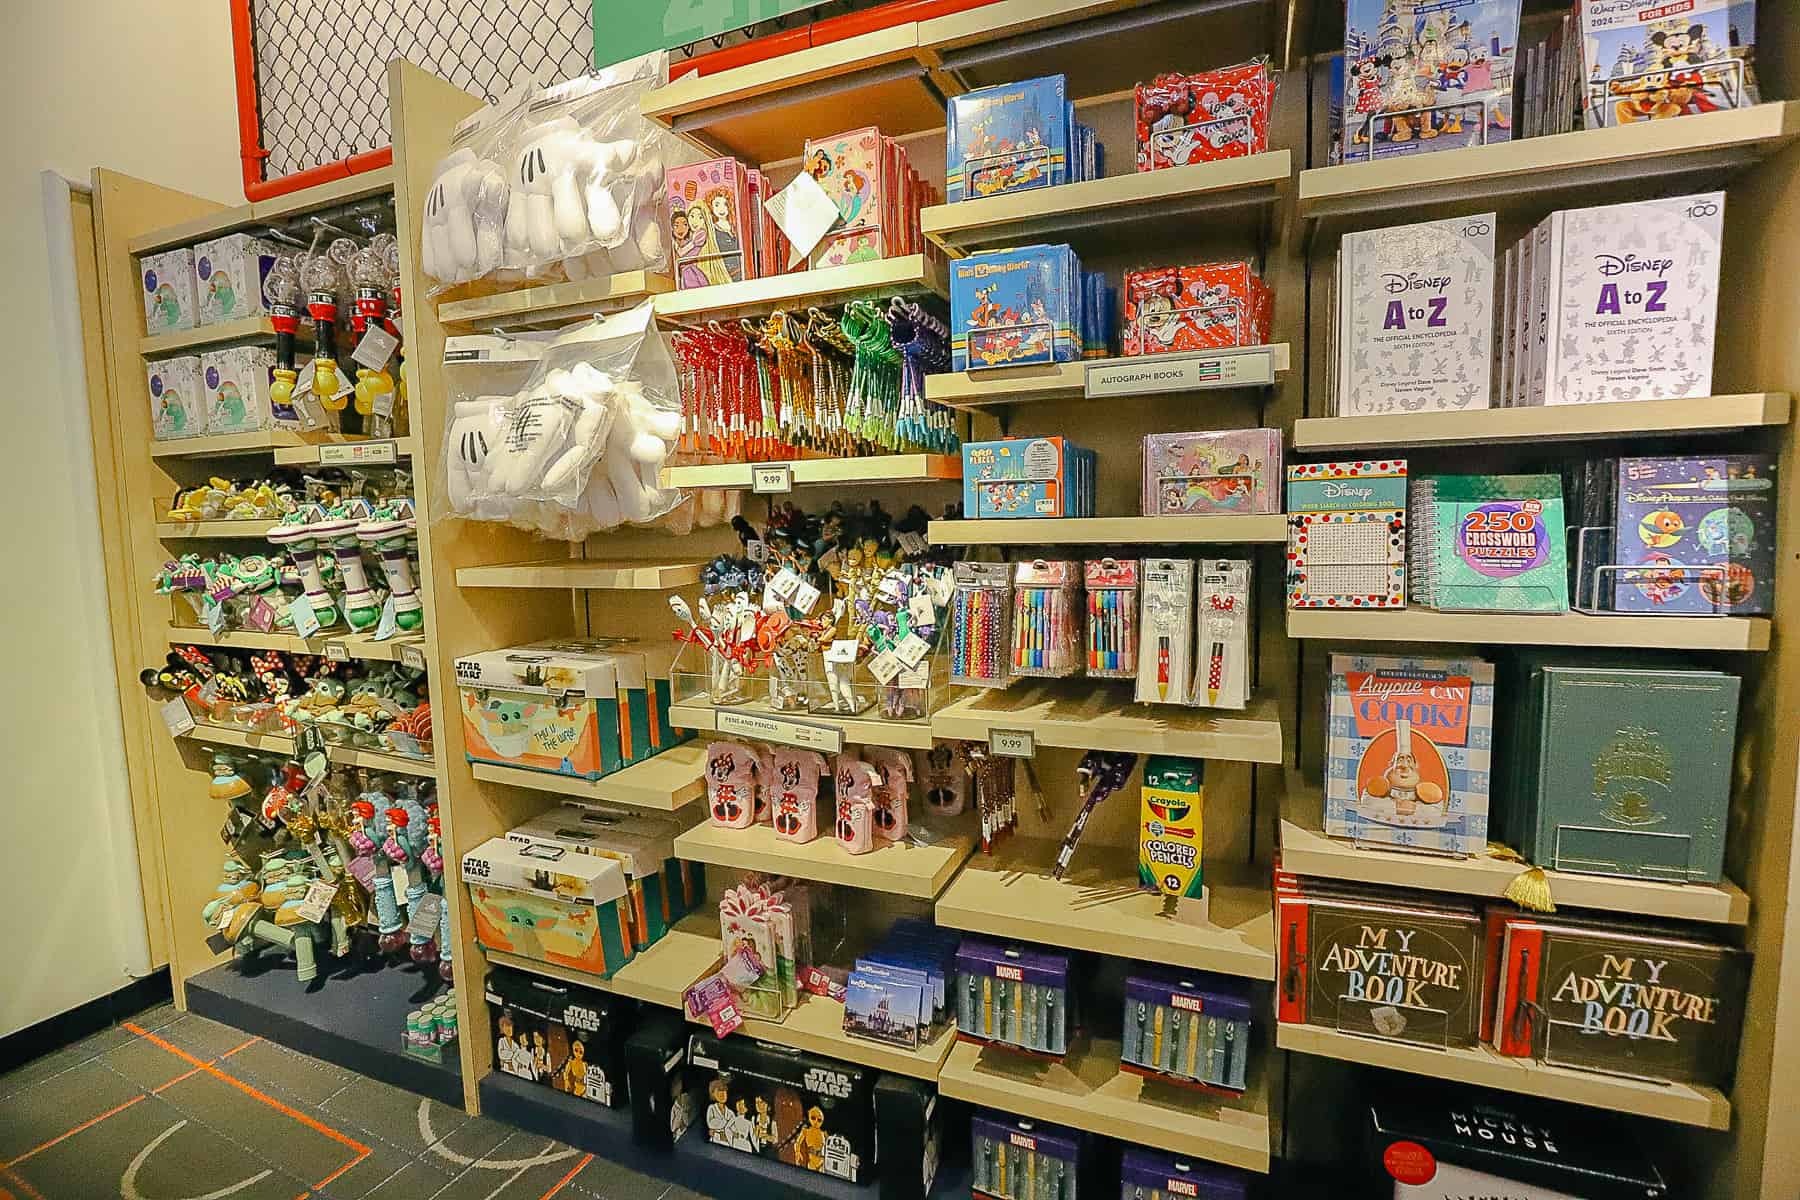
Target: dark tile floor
{"type": "Point", "coordinates": [175, 1107]}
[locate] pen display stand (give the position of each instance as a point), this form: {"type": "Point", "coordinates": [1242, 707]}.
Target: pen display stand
{"type": "Point", "coordinates": [819, 688]}
{"type": "Point", "coordinates": [1600, 579]}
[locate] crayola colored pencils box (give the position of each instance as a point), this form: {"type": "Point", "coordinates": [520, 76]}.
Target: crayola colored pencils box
{"type": "Point", "coordinates": [1173, 800]}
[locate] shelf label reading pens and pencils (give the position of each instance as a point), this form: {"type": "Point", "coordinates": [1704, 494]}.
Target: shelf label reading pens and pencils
{"type": "Point", "coordinates": [1012, 743]}
{"type": "Point", "coordinates": [1168, 373]}
{"type": "Point", "coordinates": [807, 736]}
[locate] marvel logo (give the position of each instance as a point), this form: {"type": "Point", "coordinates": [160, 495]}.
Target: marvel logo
{"type": "Point", "coordinates": [1022, 1141]}
{"type": "Point", "coordinates": [1012, 973]}
{"type": "Point", "coordinates": [1191, 1003]}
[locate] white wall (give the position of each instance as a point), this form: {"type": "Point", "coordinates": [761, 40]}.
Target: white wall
{"type": "Point", "coordinates": [145, 89]}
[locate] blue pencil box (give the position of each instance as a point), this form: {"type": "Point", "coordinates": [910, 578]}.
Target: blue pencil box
{"type": "Point", "coordinates": [1013, 307]}
{"type": "Point", "coordinates": [1009, 138]}
{"type": "Point", "coordinates": [1028, 477]}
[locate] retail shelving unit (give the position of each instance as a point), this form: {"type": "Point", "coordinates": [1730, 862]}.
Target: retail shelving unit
{"type": "Point", "coordinates": [359, 1022]}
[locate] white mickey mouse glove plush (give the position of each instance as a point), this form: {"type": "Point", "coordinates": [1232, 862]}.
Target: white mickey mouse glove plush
{"type": "Point", "coordinates": [543, 165]}
{"type": "Point", "coordinates": [491, 200]}
{"type": "Point", "coordinates": [448, 233]}
{"type": "Point", "coordinates": [638, 446]}
{"type": "Point", "coordinates": [476, 429]}
{"type": "Point", "coordinates": [593, 392]}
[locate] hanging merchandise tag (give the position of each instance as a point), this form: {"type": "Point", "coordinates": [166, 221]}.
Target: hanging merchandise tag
{"type": "Point", "coordinates": [337, 652]}
{"type": "Point", "coordinates": [921, 610]}
{"type": "Point", "coordinates": [363, 871]}
{"type": "Point", "coordinates": [805, 213]}
{"type": "Point", "coordinates": [784, 583]}
{"type": "Point", "coordinates": [225, 911]}
{"type": "Point", "coordinates": [401, 879]}
{"type": "Point", "coordinates": [425, 916]}
{"type": "Point", "coordinates": [310, 749]}
{"type": "Point", "coordinates": [176, 717]}
{"type": "Point", "coordinates": [756, 550]}
{"type": "Point", "coordinates": [911, 542]}
{"type": "Point", "coordinates": [941, 586]}
{"type": "Point", "coordinates": [884, 667]}
{"type": "Point", "coordinates": [841, 651]}
{"type": "Point", "coordinates": [306, 622]}
{"type": "Point", "coordinates": [261, 616]}
{"type": "Point", "coordinates": [317, 903]}
{"type": "Point", "coordinates": [376, 347]}
{"type": "Point", "coordinates": [916, 677]}
{"type": "Point", "coordinates": [412, 657]}
{"type": "Point", "coordinates": [384, 628]}
{"type": "Point", "coordinates": [911, 649]}
{"type": "Point", "coordinates": [806, 598]}
{"type": "Point", "coordinates": [213, 613]}
{"type": "Point", "coordinates": [383, 404]}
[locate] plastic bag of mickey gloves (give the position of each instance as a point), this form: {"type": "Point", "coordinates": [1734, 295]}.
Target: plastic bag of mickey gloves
{"type": "Point", "coordinates": [584, 440]}
{"type": "Point", "coordinates": [586, 177]}
{"type": "Point", "coordinates": [462, 232]}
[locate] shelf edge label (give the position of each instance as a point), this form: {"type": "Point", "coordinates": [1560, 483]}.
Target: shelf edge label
{"type": "Point", "coordinates": [1012, 743]}
{"type": "Point", "coordinates": [350, 454]}
{"type": "Point", "coordinates": [1168, 373]}
{"type": "Point", "coordinates": [772, 479]}
{"type": "Point", "coordinates": [804, 734]}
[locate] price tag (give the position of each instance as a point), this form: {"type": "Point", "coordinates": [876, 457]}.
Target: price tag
{"type": "Point", "coordinates": [306, 622]}
{"type": "Point", "coordinates": [911, 649]}
{"type": "Point", "coordinates": [884, 667]}
{"type": "Point", "coordinates": [756, 550]}
{"type": "Point", "coordinates": [401, 879]}
{"type": "Point", "coordinates": [425, 916]}
{"type": "Point", "coordinates": [383, 404]}
{"type": "Point", "coordinates": [337, 652]}
{"type": "Point", "coordinates": [389, 623]}
{"type": "Point", "coordinates": [941, 586]}
{"type": "Point", "coordinates": [317, 902]}
{"type": "Point", "coordinates": [804, 734]}
{"type": "Point", "coordinates": [783, 586]}
{"type": "Point", "coordinates": [356, 454]}
{"type": "Point", "coordinates": [773, 479]}
{"type": "Point", "coordinates": [412, 657]}
{"type": "Point", "coordinates": [225, 911]}
{"type": "Point", "coordinates": [176, 717]}
{"type": "Point", "coordinates": [841, 651]}
{"type": "Point", "coordinates": [261, 616]}
{"type": "Point", "coordinates": [889, 588]}
{"type": "Point", "coordinates": [363, 871]}
{"type": "Point", "coordinates": [214, 615]}
{"type": "Point", "coordinates": [921, 610]}
{"type": "Point", "coordinates": [376, 347]}
{"type": "Point", "coordinates": [311, 751]}
{"type": "Point", "coordinates": [806, 598]}
{"type": "Point", "coordinates": [912, 543]}
{"type": "Point", "coordinates": [1012, 743]}
{"type": "Point", "coordinates": [916, 677]}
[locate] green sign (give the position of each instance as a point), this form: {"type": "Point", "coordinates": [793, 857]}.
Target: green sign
{"type": "Point", "coordinates": [626, 28]}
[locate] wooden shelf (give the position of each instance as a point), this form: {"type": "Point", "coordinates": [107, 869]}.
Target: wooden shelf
{"type": "Point", "coordinates": [877, 469]}
{"type": "Point", "coordinates": [555, 302]}
{"type": "Point", "coordinates": [1089, 714]}
{"type": "Point", "coordinates": [357, 645]}
{"type": "Point", "coordinates": [1530, 629]}
{"type": "Point", "coordinates": [1233, 194]}
{"type": "Point", "coordinates": [219, 735]}
{"type": "Point", "coordinates": [1100, 908]}
{"type": "Point", "coordinates": [657, 976]}
{"type": "Point", "coordinates": [817, 1026]}
{"type": "Point", "coordinates": [1542, 173]}
{"type": "Point", "coordinates": [347, 451]}
{"type": "Point", "coordinates": [205, 336]}
{"type": "Point", "coordinates": [703, 717]}
{"type": "Point", "coordinates": [1095, 531]}
{"type": "Point", "coordinates": [1088, 1091]}
{"type": "Point", "coordinates": [1217, 370]}
{"type": "Point", "coordinates": [256, 216]}
{"type": "Point", "coordinates": [276, 743]}
{"type": "Point", "coordinates": [582, 574]}
{"type": "Point", "coordinates": [379, 760]}
{"type": "Point", "coordinates": [1685, 1104]}
{"type": "Point", "coordinates": [905, 276]}
{"type": "Point", "coordinates": [219, 445]}
{"type": "Point", "coordinates": [184, 530]}
{"type": "Point", "coordinates": [664, 782]}
{"type": "Point", "coordinates": [1563, 422]}
{"type": "Point", "coordinates": [898, 868]}
{"type": "Point", "coordinates": [1307, 851]}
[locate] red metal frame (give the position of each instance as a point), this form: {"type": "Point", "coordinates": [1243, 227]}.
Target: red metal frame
{"type": "Point", "coordinates": [815, 33]}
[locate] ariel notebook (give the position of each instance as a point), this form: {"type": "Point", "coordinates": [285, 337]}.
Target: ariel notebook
{"type": "Point", "coordinates": [1489, 543]}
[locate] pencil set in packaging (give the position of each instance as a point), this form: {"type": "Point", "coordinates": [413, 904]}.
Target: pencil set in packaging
{"type": "Point", "coordinates": [1165, 663]}
{"type": "Point", "coordinates": [1190, 1027]}
{"type": "Point", "coordinates": [1224, 660]}
{"type": "Point", "coordinates": [1046, 621]}
{"type": "Point", "coordinates": [1112, 618]}
{"type": "Point", "coordinates": [981, 625]}
{"type": "Point", "coordinates": [1014, 995]}
{"type": "Point", "coordinates": [1019, 1158]}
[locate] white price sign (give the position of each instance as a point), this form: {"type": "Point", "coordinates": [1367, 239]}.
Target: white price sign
{"type": "Point", "coordinates": [1012, 743]}
{"type": "Point", "coordinates": [1166, 373]}
{"type": "Point", "coordinates": [352, 454]}
{"type": "Point", "coordinates": [772, 479]}
{"type": "Point", "coordinates": [337, 652]}
{"type": "Point", "coordinates": [412, 657]}
{"type": "Point", "coordinates": [804, 734]}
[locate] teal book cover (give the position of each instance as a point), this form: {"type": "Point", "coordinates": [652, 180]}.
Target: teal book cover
{"type": "Point", "coordinates": [1631, 772]}
{"type": "Point", "coordinates": [1492, 543]}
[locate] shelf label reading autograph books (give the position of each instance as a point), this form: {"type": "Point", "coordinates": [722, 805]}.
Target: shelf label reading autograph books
{"type": "Point", "coordinates": [1178, 373]}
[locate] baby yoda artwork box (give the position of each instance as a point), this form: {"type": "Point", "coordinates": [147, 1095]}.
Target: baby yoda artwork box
{"type": "Point", "coordinates": [559, 1034]}
{"type": "Point", "coordinates": [661, 888]}
{"type": "Point", "coordinates": [168, 280]}
{"type": "Point", "coordinates": [177, 401]}
{"type": "Point", "coordinates": [551, 904]}
{"type": "Point", "coordinates": [229, 274]}
{"type": "Point", "coordinates": [798, 1108]}
{"type": "Point", "coordinates": [567, 707]}
{"type": "Point", "coordinates": [1378, 964]}
{"type": "Point", "coordinates": [236, 383]}
{"type": "Point", "coordinates": [1409, 747]}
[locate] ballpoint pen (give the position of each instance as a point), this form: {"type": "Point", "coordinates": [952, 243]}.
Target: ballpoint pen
{"type": "Point", "coordinates": [987, 1008]}
{"type": "Point", "coordinates": [1193, 1041]}
{"type": "Point", "coordinates": [1177, 1019]}
{"type": "Point", "coordinates": [1157, 1033]}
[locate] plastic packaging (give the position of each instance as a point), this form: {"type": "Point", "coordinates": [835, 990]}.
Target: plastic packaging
{"type": "Point", "coordinates": [980, 626]}
{"type": "Point", "coordinates": [1112, 618]}
{"type": "Point", "coordinates": [1046, 625]}
{"type": "Point", "coordinates": [466, 208]}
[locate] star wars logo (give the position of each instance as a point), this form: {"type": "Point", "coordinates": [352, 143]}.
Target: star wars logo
{"type": "Point", "coordinates": [576, 1016]}
{"type": "Point", "coordinates": [827, 1083]}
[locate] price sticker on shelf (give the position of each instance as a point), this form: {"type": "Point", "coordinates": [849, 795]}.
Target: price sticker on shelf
{"type": "Point", "coordinates": [306, 621]}
{"type": "Point", "coordinates": [376, 347]}
{"type": "Point", "coordinates": [360, 453]}
{"type": "Point", "coordinates": [842, 650]}
{"type": "Point", "coordinates": [337, 652]}
{"type": "Point", "coordinates": [426, 916]}
{"type": "Point", "coordinates": [176, 717]}
{"type": "Point", "coordinates": [1012, 743]}
{"type": "Point", "coordinates": [412, 657]}
{"type": "Point", "coordinates": [317, 902]}
{"type": "Point", "coordinates": [772, 479]}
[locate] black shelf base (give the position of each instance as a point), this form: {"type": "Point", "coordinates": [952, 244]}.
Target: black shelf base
{"type": "Point", "coordinates": [355, 1020]}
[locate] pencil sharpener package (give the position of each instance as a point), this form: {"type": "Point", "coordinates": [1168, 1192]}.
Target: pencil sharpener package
{"type": "Point", "coordinates": [1016, 1158]}
{"type": "Point", "coordinates": [1046, 621]}
{"type": "Point", "coordinates": [1112, 599]}
{"type": "Point", "coordinates": [1013, 995]}
{"type": "Point", "coordinates": [981, 625]}
{"type": "Point", "coordinates": [1190, 1027]}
